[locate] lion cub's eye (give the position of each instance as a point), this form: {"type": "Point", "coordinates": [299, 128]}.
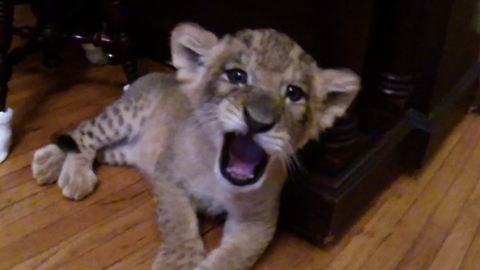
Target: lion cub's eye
{"type": "Point", "coordinates": [237, 76]}
{"type": "Point", "coordinates": [294, 93]}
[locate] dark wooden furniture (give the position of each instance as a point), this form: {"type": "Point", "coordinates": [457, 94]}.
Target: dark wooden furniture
{"type": "Point", "coordinates": [102, 23]}
{"type": "Point", "coordinates": [418, 61]}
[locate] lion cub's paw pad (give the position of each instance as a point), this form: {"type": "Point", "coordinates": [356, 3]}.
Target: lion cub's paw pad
{"type": "Point", "coordinates": [47, 164]}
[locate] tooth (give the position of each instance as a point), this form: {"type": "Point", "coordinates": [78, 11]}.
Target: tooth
{"type": "Point", "coordinates": [239, 176]}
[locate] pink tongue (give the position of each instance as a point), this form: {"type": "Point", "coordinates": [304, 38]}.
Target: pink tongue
{"type": "Point", "coordinates": [245, 154]}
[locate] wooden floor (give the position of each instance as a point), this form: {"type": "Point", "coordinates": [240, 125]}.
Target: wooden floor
{"type": "Point", "coordinates": [430, 220]}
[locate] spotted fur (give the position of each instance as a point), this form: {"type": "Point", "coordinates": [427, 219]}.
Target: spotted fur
{"type": "Point", "coordinates": [173, 127]}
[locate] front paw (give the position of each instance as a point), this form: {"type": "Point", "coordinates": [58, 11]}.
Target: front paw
{"type": "Point", "coordinates": [47, 164]}
{"type": "Point", "coordinates": [77, 179]}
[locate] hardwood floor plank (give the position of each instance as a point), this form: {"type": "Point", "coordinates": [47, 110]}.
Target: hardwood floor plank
{"type": "Point", "coordinates": [286, 252]}
{"type": "Point", "coordinates": [15, 163]}
{"type": "Point", "coordinates": [89, 240]}
{"type": "Point", "coordinates": [362, 245]}
{"type": "Point", "coordinates": [472, 258]}
{"type": "Point", "coordinates": [142, 258]}
{"type": "Point", "coordinates": [21, 222]}
{"type": "Point", "coordinates": [116, 248]}
{"type": "Point", "coordinates": [455, 246]}
{"type": "Point", "coordinates": [25, 208]}
{"type": "Point", "coordinates": [18, 193]}
{"type": "Point", "coordinates": [433, 233]}
{"type": "Point", "coordinates": [382, 225]}
{"type": "Point", "coordinates": [15, 179]}
{"type": "Point", "coordinates": [147, 263]}
{"type": "Point", "coordinates": [433, 201]}
{"type": "Point", "coordinates": [423, 249]}
{"type": "Point", "coordinates": [50, 236]}
{"type": "Point", "coordinates": [213, 237]}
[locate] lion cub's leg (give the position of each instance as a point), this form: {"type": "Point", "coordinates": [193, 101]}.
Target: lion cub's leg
{"type": "Point", "coordinates": [244, 239]}
{"type": "Point", "coordinates": [116, 123]}
{"type": "Point", "coordinates": [121, 155]}
{"type": "Point", "coordinates": [119, 123]}
{"type": "Point", "coordinates": [182, 246]}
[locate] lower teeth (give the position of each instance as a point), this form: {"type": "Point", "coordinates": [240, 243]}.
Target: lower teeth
{"type": "Point", "coordinates": [238, 176]}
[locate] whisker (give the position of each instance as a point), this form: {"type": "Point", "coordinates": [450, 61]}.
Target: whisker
{"type": "Point", "coordinates": [297, 165]}
{"type": "Point", "coordinates": [285, 164]}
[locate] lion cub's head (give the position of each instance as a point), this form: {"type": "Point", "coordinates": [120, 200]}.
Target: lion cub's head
{"type": "Point", "coordinates": [258, 95]}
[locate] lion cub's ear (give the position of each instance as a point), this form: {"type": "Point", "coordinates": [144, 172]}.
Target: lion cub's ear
{"type": "Point", "coordinates": [335, 90]}
{"type": "Point", "coordinates": [189, 44]}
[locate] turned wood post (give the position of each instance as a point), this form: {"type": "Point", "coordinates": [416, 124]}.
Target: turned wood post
{"type": "Point", "coordinates": [389, 77]}
{"type": "Point", "coordinates": [6, 32]}
{"type": "Point", "coordinates": [123, 49]}
{"type": "Point", "coordinates": [405, 48]}
{"type": "Point", "coordinates": [51, 27]}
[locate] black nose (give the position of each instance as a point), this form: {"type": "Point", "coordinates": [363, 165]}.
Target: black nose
{"type": "Point", "coordinates": [255, 126]}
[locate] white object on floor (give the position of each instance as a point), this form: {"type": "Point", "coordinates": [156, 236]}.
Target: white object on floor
{"type": "Point", "coordinates": [5, 133]}
{"type": "Point", "coordinates": [94, 54]}
{"type": "Point", "coordinates": [125, 88]}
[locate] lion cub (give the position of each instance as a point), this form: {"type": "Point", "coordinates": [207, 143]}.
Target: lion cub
{"type": "Point", "coordinates": [216, 136]}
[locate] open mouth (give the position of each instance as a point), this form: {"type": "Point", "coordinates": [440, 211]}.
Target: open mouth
{"type": "Point", "coordinates": [242, 160]}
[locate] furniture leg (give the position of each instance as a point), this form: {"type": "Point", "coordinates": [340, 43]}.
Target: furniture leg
{"type": "Point", "coordinates": [6, 32]}
{"type": "Point", "coordinates": [51, 29]}
{"type": "Point", "coordinates": [123, 46]}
